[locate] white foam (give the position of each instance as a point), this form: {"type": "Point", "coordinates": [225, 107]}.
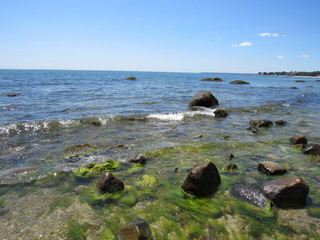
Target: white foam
{"type": "Point", "coordinates": [179, 116]}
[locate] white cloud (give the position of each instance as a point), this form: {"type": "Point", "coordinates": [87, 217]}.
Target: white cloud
{"type": "Point", "coordinates": [268, 34]}
{"type": "Point", "coordinates": [281, 57]}
{"type": "Point", "coordinates": [304, 56]}
{"type": "Point", "coordinates": [243, 44]}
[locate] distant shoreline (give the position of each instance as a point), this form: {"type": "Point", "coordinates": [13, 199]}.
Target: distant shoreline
{"type": "Point", "coordinates": [314, 74]}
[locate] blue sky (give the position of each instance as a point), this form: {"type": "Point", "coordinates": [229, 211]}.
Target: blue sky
{"type": "Point", "coordinates": [246, 36]}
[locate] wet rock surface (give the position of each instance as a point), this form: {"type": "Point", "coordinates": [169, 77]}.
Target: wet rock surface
{"type": "Point", "coordinates": [280, 122]}
{"type": "Point", "coordinates": [138, 159]}
{"type": "Point", "coordinates": [108, 183]}
{"type": "Point", "coordinates": [203, 180]}
{"type": "Point", "coordinates": [204, 99]}
{"type": "Point", "coordinates": [131, 78]}
{"type": "Point", "coordinates": [231, 167]}
{"type": "Point", "coordinates": [299, 139]}
{"type": "Point", "coordinates": [271, 168]}
{"type": "Point", "coordinates": [261, 123]}
{"type": "Point", "coordinates": [220, 113]}
{"type": "Point", "coordinates": [249, 194]}
{"type": "Point", "coordinates": [238, 82]}
{"type": "Point", "coordinates": [287, 192]}
{"type": "Point", "coordinates": [138, 229]}
{"type": "Point", "coordinates": [312, 149]}
{"type": "Point", "coordinates": [216, 79]}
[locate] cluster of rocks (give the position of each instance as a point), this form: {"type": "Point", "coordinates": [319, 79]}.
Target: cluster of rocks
{"type": "Point", "coordinates": [217, 79]}
{"type": "Point", "coordinates": [301, 141]}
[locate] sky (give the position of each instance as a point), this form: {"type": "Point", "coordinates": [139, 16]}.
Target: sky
{"type": "Point", "coordinates": [247, 36]}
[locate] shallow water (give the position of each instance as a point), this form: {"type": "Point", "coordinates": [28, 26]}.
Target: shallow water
{"type": "Point", "coordinates": [41, 197]}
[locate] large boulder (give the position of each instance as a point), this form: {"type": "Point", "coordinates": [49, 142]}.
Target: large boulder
{"type": "Point", "coordinates": [108, 183]}
{"type": "Point", "coordinates": [138, 229]}
{"type": "Point", "coordinates": [271, 168]}
{"type": "Point", "coordinates": [312, 148]}
{"type": "Point", "coordinates": [254, 196]}
{"type": "Point", "coordinates": [286, 192]}
{"type": "Point", "coordinates": [202, 180]}
{"type": "Point", "coordinates": [203, 99]}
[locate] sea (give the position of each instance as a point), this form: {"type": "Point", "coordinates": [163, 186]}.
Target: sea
{"type": "Point", "coordinates": [45, 112]}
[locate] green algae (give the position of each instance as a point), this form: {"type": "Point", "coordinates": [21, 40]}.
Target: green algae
{"type": "Point", "coordinates": [77, 231]}
{"type": "Point", "coordinates": [94, 169]}
{"type": "Point", "coordinates": [80, 150]}
{"type": "Point", "coordinates": [148, 181]}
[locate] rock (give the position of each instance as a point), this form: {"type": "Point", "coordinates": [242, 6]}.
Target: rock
{"type": "Point", "coordinates": [293, 88]}
{"type": "Point", "coordinates": [17, 149]}
{"type": "Point", "coordinates": [131, 78]}
{"type": "Point", "coordinates": [202, 180]}
{"type": "Point", "coordinates": [238, 82]}
{"type": "Point", "coordinates": [231, 167]}
{"type": "Point", "coordinates": [280, 122]}
{"type": "Point", "coordinates": [148, 181]}
{"type": "Point", "coordinates": [286, 192]}
{"type": "Point", "coordinates": [13, 95]}
{"type": "Point", "coordinates": [204, 99]}
{"type": "Point", "coordinates": [300, 81]}
{"type": "Point", "coordinates": [230, 156]}
{"type": "Point", "coordinates": [312, 148]}
{"type": "Point", "coordinates": [198, 136]}
{"type": "Point", "coordinates": [261, 123]}
{"type": "Point", "coordinates": [197, 108]}
{"type": "Point", "coordinates": [138, 229]}
{"type": "Point", "coordinates": [216, 79]}
{"type": "Point", "coordinates": [219, 113]}
{"type": "Point", "coordinates": [251, 195]}
{"type": "Point", "coordinates": [299, 139]}
{"type": "Point", "coordinates": [253, 129]}
{"type": "Point", "coordinates": [139, 159]}
{"type": "Point", "coordinates": [109, 184]}
{"type": "Point", "coordinates": [271, 168]}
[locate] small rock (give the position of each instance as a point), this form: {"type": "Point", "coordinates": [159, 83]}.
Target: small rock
{"type": "Point", "coordinates": [109, 184]}
{"type": "Point", "coordinates": [138, 229]}
{"type": "Point", "coordinates": [231, 167]}
{"type": "Point", "coordinates": [280, 122]}
{"type": "Point", "coordinates": [17, 149]}
{"type": "Point", "coordinates": [175, 170]}
{"type": "Point", "coordinates": [204, 99]}
{"type": "Point", "coordinates": [254, 196]}
{"type": "Point", "coordinates": [203, 180]}
{"type": "Point", "coordinates": [286, 192]}
{"type": "Point", "coordinates": [13, 95]}
{"type": "Point", "coordinates": [238, 82]}
{"type": "Point", "coordinates": [138, 159]}
{"type": "Point", "coordinates": [299, 139]}
{"type": "Point", "coordinates": [216, 79]}
{"type": "Point", "coordinates": [312, 148]}
{"type": "Point", "coordinates": [230, 156]}
{"type": "Point", "coordinates": [271, 168]}
{"type": "Point", "coordinates": [293, 88]}
{"type": "Point", "coordinates": [198, 136]}
{"type": "Point", "coordinates": [131, 78]}
{"type": "Point", "coordinates": [300, 81]}
{"type": "Point", "coordinates": [219, 113]}
{"type": "Point", "coordinates": [253, 129]}
{"type": "Point", "coordinates": [261, 123]}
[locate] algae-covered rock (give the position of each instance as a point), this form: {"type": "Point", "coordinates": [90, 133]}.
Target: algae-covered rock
{"type": "Point", "coordinates": [220, 113]}
{"type": "Point", "coordinates": [261, 123]}
{"type": "Point", "coordinates": [286, 192]}
{"type": "Point", "coordinates": [203, 99]}
{"type": "Point", "coordinates": [299, 139]}
{"type": "Point", "coordinates": [238, 82]}
{"type": "Point", "coordinates": [79, 150]}
{"type": "Point", "coordinates": [312, 148]}
{"type": "Point", "coordinates": [108, 183]}
{"type": "Point", "coordinates": [138, 229]}
{"type": "Point", "coordinates": [94, 169]}
{"type": "Point", "coordinates": [231, 167]}
{"type": "Point", "coordinates": [148, 181]}
{"type": "Point", "coordinates": [271, 168]}
{"type": "Point", "coordinates": [203, 180]}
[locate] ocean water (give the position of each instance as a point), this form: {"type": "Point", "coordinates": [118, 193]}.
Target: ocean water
{"type": "Point", "coordinates": [54, 110]}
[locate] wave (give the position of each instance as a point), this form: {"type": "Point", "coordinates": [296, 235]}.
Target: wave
{"type": "Point", "coordinates": [179, 116]}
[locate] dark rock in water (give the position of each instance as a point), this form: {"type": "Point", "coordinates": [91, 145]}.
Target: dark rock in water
{"type": "Point", "coordinates": [138, 159]}
{"type": "Point", "coordinates": [203, 180]}
{"type": "Point", "coordinates": [203, 99]}
{"type": "Point", "coordinates": [299, 139]}
{"type": "Point", "coordinates": [312, 148]}
{"type": "Point", "coordinates": [197, 108]}
{"type": "Point", "coordinates": [231, 167]}
{"type": "Point", "coordinates": [286, 192]}
{"type": "Point", "coordinates": [13, 95]}
{"type": "Point", "coordinates": [251, 195]}
{"type": "Point", "coordinates": [261, 123]}
{"type": "Point", "coordinates": [280, 122]}
{"type": "Point", "coordinates": [109, 184]}
{"type": "Point", "coordinates": [138, 229]}
{"type": "Point", "coordinates": [300, 81]}
{"type": "Point", "coordinates": [253, 129]}
{"type": "Point", "coordinates": [199, 136]}
{"type": "Point", "coordinates": [230, 156]}
{"type": "Point", "coordinates": [238, 82]}
{"type": "Point", "coordinates": [131, 78]}
{"type": "Point", "coordinates": [271, 168]}
{"type": "Point", "coordinates": [219, 113]}
{"type": "Point", "coordinates": [216, 79]}
{"type": "Point", "coordinates": [293, 88]}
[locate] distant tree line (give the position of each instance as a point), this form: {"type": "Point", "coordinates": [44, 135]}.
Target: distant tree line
{"type": "Point", "coordinates": [283, 73]}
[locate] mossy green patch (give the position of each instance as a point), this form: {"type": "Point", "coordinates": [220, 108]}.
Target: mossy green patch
{"type": "Point", "coordinates": [80, 150]}
{"type": "Point", "coordinates": [77, 231]}
{"type": "Point", "coordinates": [148, 181]}
{"type": "Point", "coordinates": [94, 169]}
{"type": "Point", "coordinates": [314, 212]}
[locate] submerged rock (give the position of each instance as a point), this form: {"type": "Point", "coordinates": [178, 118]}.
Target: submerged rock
{"type": "Point", "coordinates": [13, 95]}
{"type": "Point", "coordinates": [131, 78]}
{"type": "Point", "coordinates": [312, 148]}
{"type": "Point", "coordinates": [231, 167]}
{"type": "Point", "coordinates": [94, 169]}
{"type": "Point", "coordinates": [286, 192]}
{"type": "Point", "coordinates": [281, 122]}
{"type": "Point", "coordinates": [229, 156]}
{"type": "Point", "coordinates": [108, 183]}
{"type": "Point", "coordinates": [261, 123]}
{"type": "Point", "coordinates": [251, 195]}
{"type": "Point", "coordinates": [216, 79]}
{"type": "Point", "coordinates": [138, 229]}
{"type": "Point", "coordinates": [299, 139]}
{"type": "Point", "coordinates": [203, 99]}
{"type": "Point", "coordinates": [219, 113]}
{"type": "Point", "coordinates": [202, 180]}
{"type": "Point", "coordinates": [139, 159]}
{"type": "Point", "coordinates": [271, 168]}
{"type": "Point", "coordinates": [79, 150]}
{"type": "Point", "coordinates": [238, 82]}
{"type": "Point", "coordinates": [148, 181]}
{"type": "Point", "coordinates": [253, 129]}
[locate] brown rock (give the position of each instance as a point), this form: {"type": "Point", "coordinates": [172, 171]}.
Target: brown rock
{"type": "Point", "coordinates": [204, 99]}
{"type": "Point", "coordinates": [238, 82]}
{"type": "Point", "coordinates": [312, 148]}
{"type": "Point", "coordinates": [280, 122]}
{"type": "Point", "coordinates": [108, 183]}
{"type": "Point", "coordinates": [138, 159]}
{"type": "Point", "coordinates": [231, 167]}
{"type": "Point", "coordinates": [219, 113]}
{"type": "Point", "coordinates": [131, 78]}
{"type": "Point", "coordinates": [216, 79]}
{"type": "Point", "coordinates": [271, 168]}
{"type": "Point", "coordinates": [203, 180]}
{"type": "Point", "coordinates": [261, 123]}
{"type": "Point", "coordinates": [299, 139]}
{"type": "Point", "coordinates": [286, 192]}
{"type": "Point", "coordinates": [138, 229]}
